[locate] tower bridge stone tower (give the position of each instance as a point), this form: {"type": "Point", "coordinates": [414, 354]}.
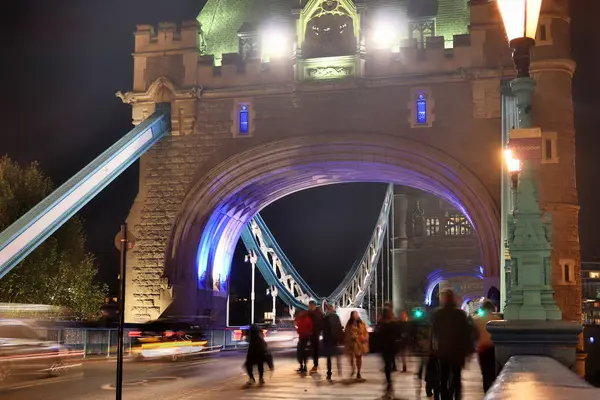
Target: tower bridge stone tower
{"type": "Point", "coordinates": [270, 97]}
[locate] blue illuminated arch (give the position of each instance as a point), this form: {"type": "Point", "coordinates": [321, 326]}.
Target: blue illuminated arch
{"type": "Point", "coordinates": [440, 275]}
{"type": "Point", "coordinates": [229, 193]}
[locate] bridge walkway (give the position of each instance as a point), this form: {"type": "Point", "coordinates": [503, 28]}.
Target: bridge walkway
{"type": "Point", "coordinates": [286, 384]}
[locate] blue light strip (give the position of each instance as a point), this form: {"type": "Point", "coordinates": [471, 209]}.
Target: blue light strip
{"type": "Point", "coordinates": [29, 231]}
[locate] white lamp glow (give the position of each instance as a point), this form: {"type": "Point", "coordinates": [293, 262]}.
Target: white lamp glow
{"type": "Point", "coordinates": [520, 17]}
{"type": "Point", "coordinates": [275, 44]}
{"type": "Point", "coordinates": [384, 34]}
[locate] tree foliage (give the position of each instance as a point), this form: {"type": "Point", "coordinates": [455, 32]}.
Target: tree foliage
{"type": "Point", "coordinates": [60, 271]}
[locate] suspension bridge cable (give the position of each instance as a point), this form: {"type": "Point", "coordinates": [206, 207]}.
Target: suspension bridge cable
{"type": "Point", "coordinates": [393, 245]}
{"type": "Point", "coordinates": [376, 293]}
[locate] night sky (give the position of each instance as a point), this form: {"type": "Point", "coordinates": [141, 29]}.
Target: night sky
{"type": "Point", "coordinates": [65, 59]}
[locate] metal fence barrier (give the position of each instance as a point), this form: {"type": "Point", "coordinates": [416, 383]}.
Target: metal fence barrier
{"type": "Point", "coordinates": [102, 342]}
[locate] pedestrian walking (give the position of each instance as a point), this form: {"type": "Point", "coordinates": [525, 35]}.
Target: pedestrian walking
{"type": "Point", "coordinates": [316, 317]}
{"type": "Point", "coordinates": [387, 335]}
{"type": "Point", "coordinates": [333, 335]}
{"type": "Point", "coordinates": [357, 342]}
{"type": "Point", "coordinates": [452, 342]}
{"type": "Point", "coordinates": [404, 340]}
{"type": "Point", "coordinates": [304, 328]}
{"type": "Point", "coordinates": [485, 346]}
{"type": "Point", "coordinates": [258, 354]}
{"type": "Point", "coordinates": [428, 363]}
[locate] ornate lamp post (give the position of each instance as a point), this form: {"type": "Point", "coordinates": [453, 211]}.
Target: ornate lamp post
{"type": "Point", "coordinates": [252, 259]}
{"type": "Point", "coordinates": [529, 238]}
{"type": "Point", "coordinates": [533, 322]}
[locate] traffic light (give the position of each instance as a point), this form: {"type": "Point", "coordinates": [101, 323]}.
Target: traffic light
{"type": "Point", "coordinates": [480, 312]}
{"type": "Point", "coordinates": [418, 313]}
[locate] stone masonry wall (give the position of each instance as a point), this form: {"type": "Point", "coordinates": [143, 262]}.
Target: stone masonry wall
{"type": "Point", "coordinates": [466, 93]}
{"type": "Point", "coordinates": [172, 166]}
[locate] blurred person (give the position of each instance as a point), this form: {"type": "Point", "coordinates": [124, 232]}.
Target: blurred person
{"type": "Point", "coordinates": [304, 327]}
{"type": "Point", "coordinates": [356, 341]}
{"type": "Point", "coordinates": [452, 344]}
{"type": "Point", "coordinates": [333, 335]}
{"type": "Point", "coordinates": [404, 340]}
{"type": "Point", "coordinates": [388, 332]}
{"type": "Point", "coordinates": [421, 347]}
{"type": "Point", "coordinates": [316, 317]}
{"type": "Point", "coordinates": [485, 347]}
{"type": "Point", "coordinates": [258, 354]}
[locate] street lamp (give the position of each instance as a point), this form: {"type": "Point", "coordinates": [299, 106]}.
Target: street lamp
{"type": "Point", "coordinates": [532, 320]}
{"type": "Point", "coordinates": [520, 19]}
{"type": "Point", "coordinates": [531, 294]}
{"type": "Point", "coordinates": [252, 258]}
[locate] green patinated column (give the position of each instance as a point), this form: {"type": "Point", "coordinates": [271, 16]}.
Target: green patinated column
{"type": "Point", "coordinates": [532, 322]}
{"type": "Point", "coordinates": [529, 235]}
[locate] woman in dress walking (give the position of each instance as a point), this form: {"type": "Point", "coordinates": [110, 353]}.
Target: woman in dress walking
{"type": "Point", "coordinates": [357, 342]}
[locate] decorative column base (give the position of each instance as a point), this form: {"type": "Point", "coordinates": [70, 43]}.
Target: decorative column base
{"type": "Point", "coordinates": [554, 339]}
{"type": "Point", "coordinates": [579, 368]}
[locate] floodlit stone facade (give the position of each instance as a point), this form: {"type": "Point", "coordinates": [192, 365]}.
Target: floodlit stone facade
{"type": "Point", "coordinates": [408, 92]}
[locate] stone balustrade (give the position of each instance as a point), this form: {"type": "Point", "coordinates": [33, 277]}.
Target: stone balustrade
{"type": "Point", "coordinates": [535, 377]}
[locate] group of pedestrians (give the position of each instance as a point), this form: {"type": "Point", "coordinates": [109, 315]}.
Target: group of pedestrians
{"type": "Point", "coordinates": [313, 324]}
{"type": "Point", "coordinates": [442, 341]}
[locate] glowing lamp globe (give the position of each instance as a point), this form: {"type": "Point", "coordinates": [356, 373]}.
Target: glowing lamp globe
{"type": "Point", "coordinates": [520, 17]}
{"type": "Point", "coordinates": [384, 34]}
{"type": "Point", "coordinates": [275, 44]}
{"type": "Point", "coordinates": [513, 164]}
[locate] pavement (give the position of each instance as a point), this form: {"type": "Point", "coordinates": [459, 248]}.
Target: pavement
{"type": "Point", "coordinates": [285, 384]}
{"type": "Point", "coordinates": [221, 377]}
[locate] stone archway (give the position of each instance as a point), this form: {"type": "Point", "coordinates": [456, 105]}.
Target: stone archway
{"type": "Point", "coordinates": [227, 195]}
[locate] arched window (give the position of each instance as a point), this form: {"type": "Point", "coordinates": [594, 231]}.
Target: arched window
{"type": "Point", "coordinates": [421, 109]}
{"type": "Point", "coordinates": [457, 225]}
{"type": "Point", "coordinates": [244, 120]}
{"type": "Point", "coordinates": [328, 28]}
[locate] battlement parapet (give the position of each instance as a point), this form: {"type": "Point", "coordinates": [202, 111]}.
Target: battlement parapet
{"type": "Point", "coordinates": [411, 60]}
{"type": "Point", "coordinates": [167, 37]}
{"type": "Point", "coordinates": [237, 72]}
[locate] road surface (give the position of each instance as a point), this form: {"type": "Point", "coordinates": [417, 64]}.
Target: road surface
{"type": "Point", "coordinates": [95, 380]}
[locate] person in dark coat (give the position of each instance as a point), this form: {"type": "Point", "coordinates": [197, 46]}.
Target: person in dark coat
{"type": "Point", "coordinates": [387, 337]}
{"type": "Point", "coordinates": [258, 354]}
{"type": "Point", "coordinates": [452, 343]}
{"type": "Point", "coordinates": [421, 347]}
{"type": "Point", "coordinates": [333, 335]}
{"type": "Point", "coordinates": [316, 317]}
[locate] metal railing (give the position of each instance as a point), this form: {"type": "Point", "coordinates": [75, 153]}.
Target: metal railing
{"type": "Point", "coordinates": [102, 342]}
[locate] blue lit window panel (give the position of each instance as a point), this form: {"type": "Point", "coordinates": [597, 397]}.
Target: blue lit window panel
{"type": "Point", "coordinates": [244, 123]}
{"type": "Point", "coordinates": [421, 110]}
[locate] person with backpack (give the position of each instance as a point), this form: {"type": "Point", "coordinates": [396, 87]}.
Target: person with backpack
{"type": "Point", "coordinates": [258, 354]}
{"type": "Point", "coordinates": [333, 334]}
